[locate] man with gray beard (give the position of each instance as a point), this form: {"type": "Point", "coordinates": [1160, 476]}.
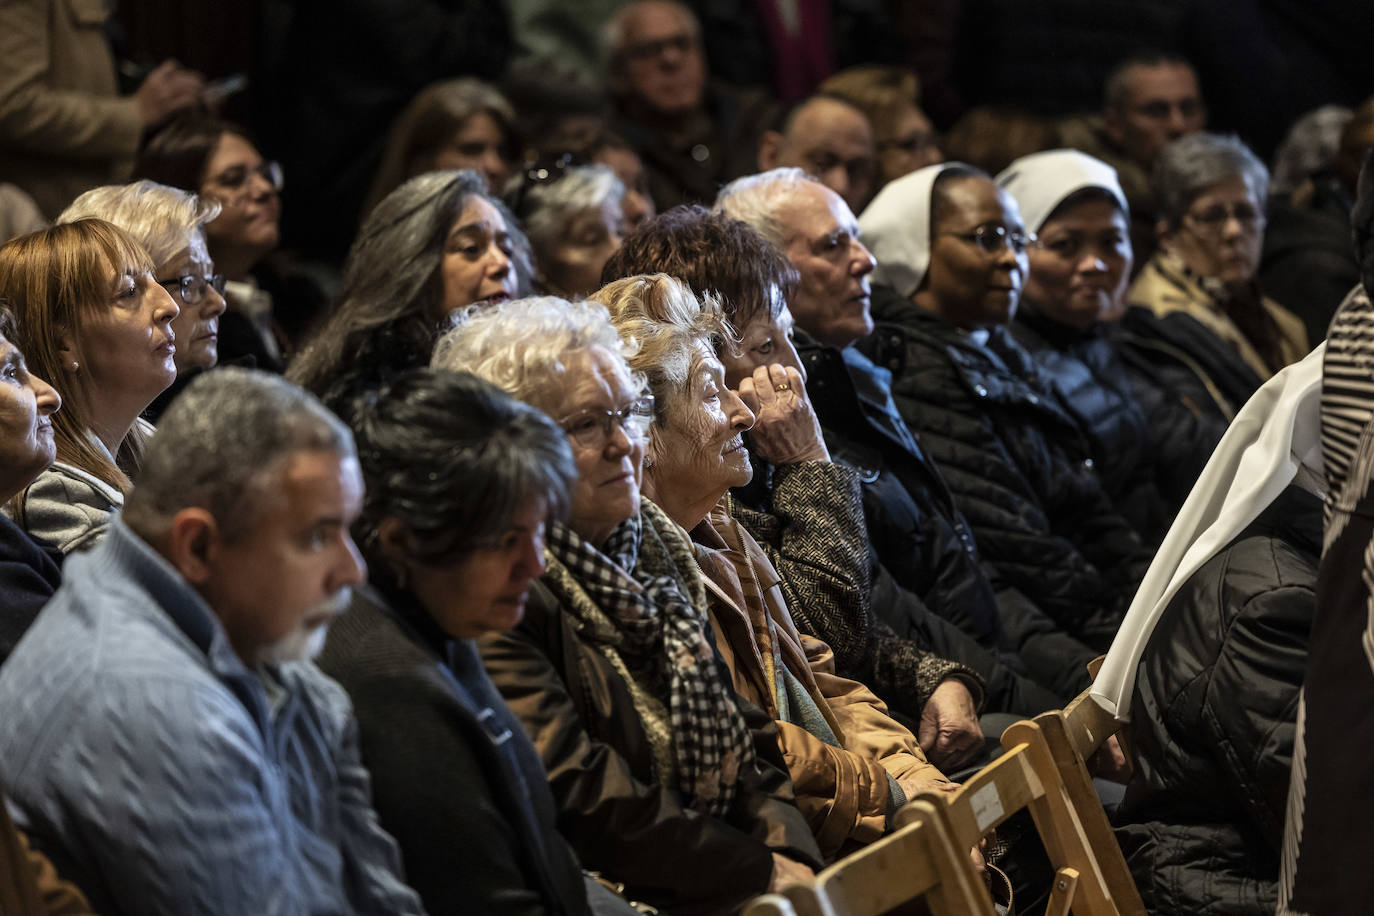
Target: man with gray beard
{"type": "Point", "coordinates": [166, 738]}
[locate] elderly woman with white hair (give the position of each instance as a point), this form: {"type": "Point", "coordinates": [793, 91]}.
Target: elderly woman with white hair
{"type": "Point", "coordinates": [1147, 445]}
{"type": "Point", "coordinates": [1199, 295]}
{"type": "Point", "coordinates": [952, 263]}
{"type": "Point", "coordinates": [852, 764]}
{"type": "Point", "coordinates": [573, 217]}
{"type": "Point", "coordinates": [170, 225]}
{"type": "Point", "coordinates": [663, 779]}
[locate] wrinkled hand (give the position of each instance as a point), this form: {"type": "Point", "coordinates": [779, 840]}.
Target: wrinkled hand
{"type": "Point", "coordinates": [949, 732]}
{"type": "Point", "coordinates": [786, 430]}
{"type": "Point", "coordinates": [787, 872]}
{"type": "Point", "coordinates": [167, 90]}
{"type": "Point", "coordinates": [1110, 762]}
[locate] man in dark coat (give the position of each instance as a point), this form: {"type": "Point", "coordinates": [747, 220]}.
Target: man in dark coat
{"type": "Point", "coordinates": [930, 561]}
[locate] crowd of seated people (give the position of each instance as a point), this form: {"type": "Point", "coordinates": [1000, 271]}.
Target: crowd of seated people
{"type": "Point", "coordinates": [653, 502]}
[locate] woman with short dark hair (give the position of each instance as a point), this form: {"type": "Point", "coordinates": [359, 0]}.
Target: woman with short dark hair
{"type": "Point", "coordinates": [461, 479]}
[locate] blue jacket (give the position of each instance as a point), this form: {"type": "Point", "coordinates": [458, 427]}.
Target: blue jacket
{"type": "Point", "coordinates": [148, 762]}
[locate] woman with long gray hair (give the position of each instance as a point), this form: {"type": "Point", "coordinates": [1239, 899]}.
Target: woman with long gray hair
{"type": "Point", "coordinates": [437, 243]}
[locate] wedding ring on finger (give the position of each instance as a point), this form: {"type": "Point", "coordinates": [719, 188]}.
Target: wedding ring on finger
{"type": "Point", "coordinates": [783, 387]}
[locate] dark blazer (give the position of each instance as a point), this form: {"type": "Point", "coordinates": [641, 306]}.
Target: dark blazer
{"type": "Point", "coordinates": [454, 778]}
{"type": "Point", "coordinates": [29, 575]}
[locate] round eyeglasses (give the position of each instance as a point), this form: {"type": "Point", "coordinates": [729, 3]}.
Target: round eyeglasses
{"type": "Point", "coordinates": [191, 288]}
{"type": "Point", "coordinates": [592, 428]}
{"type": "Point", "coordinates": [235, 178]}
{"type": "Point", "coordinates": [994, 237]}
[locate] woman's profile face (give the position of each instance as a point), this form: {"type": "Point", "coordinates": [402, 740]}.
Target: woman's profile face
{"type": "Point", "coordinates": [1081, 267]}
{"type": "Point", "coordinates": [485, 590]}
{"type": "Point", "coordinates": [125, 351]}
{"type": "Point", "coordinates": [978, 260]}
{"type": "Point", "coordinates": [189, 279]}
{"type": "Point", "coordinates": [571, 268]}
{"type": "Point", "coordinates": [609, 462]}
{"type": "Point", "coordinates": [479, 144]}
{"type": "Point", "coordinates": [476, 264]}
{"type": "Point", "coordinates": [1221, 232]}
{"type": "Point", "coordinates": [699, 449]}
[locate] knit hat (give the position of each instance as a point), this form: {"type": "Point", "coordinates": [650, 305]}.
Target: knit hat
{"type": "Point", "coordinates": [895, 228]}
{"type": "Point", "coordinates": [1042, 181]}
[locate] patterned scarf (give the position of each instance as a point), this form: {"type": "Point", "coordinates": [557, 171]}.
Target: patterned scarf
{"type": "Point", "coordinates": [659, 631]}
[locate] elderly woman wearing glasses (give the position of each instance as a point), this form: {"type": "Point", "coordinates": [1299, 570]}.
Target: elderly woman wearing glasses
{"type": "Point", "coordinates": [952, 261]}
{"type": "Point", "coordinates": [663, 780]}
{"type": "Point", "coordinates": [1199, 295]}
{"type": "Point", "coordinates": [574, 220]}
{"type": "Point", "coordinates": [852, 764]}
{"type": "Point", "coordinates": [170, 225]}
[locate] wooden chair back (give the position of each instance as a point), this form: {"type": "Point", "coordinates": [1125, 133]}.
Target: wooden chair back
{"type": "Point", "coordinates": [916, 861]}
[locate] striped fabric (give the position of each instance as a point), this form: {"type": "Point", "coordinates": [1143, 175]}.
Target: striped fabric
{"type": "Point", "coordinates": [1329, 827]}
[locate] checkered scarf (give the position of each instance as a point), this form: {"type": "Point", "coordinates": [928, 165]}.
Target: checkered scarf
{"type": "Point", "coordinates": [658, 630]}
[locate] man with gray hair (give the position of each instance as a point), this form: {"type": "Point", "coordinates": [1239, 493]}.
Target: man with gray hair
{"type": "Point", "coordinates": [1026, 661]}
{"type": "Point", "coordinates": [166, 739]}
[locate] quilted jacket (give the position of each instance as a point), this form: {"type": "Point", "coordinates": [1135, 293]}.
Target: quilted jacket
{"type": "Point", "coordinates": [1017, 462]}
{"type": "Point", "coordinates": [1214, 717]}
{"type": "Point", "coordinates": [931, 588]}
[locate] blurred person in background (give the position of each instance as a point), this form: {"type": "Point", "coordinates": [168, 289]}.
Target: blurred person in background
{"type": "Point", "coordinates": [889, 97]}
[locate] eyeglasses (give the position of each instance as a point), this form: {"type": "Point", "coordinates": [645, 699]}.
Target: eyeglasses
{"type": "Point", "coordinates": [192, 288]}
{"type": "Point", "coordinates": [649, 50]}
{"type": "Point", "coordinates": [993, 238]}
{"type": "Point", "coordinates": [545, 169]}
{"type": "Point", "coordinates": [1215, 217]}
{"type": "Point", "coordinates": [236, 178]}
{"type": "Point", "coordinates": [592, 429]}
{"type": "Point", "coordinates": [909, 144]}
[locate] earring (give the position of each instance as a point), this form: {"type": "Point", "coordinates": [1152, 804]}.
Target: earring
{"type": "Point", "coordinates": [76, 367]}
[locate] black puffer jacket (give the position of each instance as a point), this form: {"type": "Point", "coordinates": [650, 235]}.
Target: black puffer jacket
{"type": "Point", "coordinates": [1017, 464]}
{"type": "Point", "coordinates": [1213, 720]}
{"type": "Point", "coordinates": [1093, 385]}
{"type": "Point", "coordinates": [930, 585]}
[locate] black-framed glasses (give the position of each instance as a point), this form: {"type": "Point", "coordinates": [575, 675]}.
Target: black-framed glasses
{"type": "Point", "coordinates": [1213, 219]}
{"type": "Point", "coordinates": [236, 177]}
{"type": "Point", "coordinates": [910, 144]}
{"type": "Point", "coordinates": [993, 237]}
{"type": "Point", "coordinates": [593, 428]}
{"type": "Point", "coordinates": [682, 42]}
{"type": "Point", "coordinates": [191, 288]}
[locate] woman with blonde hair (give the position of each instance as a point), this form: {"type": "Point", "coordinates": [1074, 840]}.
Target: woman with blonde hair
{"type": "Point", "coordinates": [94, 322]}
{"type": "Point", "coordinates": [170, 225]}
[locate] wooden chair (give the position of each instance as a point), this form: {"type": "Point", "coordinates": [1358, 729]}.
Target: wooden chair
{"type": "Point", "coordinates": [1026, 776]}
{"type": "Point", "coordinates": [1072, 736]}
{"type": "Point", "coordinates": [918, 860]}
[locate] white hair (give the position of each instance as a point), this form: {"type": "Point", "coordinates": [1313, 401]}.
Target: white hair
{"type": "Point", "coordinates": [612, 43]}
{"type": "Point", "coordinates": [756, 200]}
{"type": "Point", "coordinates": [519, 346]}
{"type": "Point", "coordinates": [548, 207]}
{"type": "Point", "coordinates": [165, 221]}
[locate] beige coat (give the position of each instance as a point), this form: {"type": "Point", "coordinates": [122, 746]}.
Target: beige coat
{"type": "Point", "coordinates": [842, 791]}
{"type": "Point", "coordinates": [1166, 285]}
{"type": "Point", "coordinates": [63, 127]}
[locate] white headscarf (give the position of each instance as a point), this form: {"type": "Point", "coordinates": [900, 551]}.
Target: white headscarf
{"type": "Point", "coordinates": [895, 228]}
{"type": "Point", "coordinates": [1042, 181]}
{"type": "Point", "coordinates": [1275, 438]}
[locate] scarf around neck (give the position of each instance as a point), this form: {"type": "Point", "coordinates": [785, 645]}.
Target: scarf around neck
{"type": "Point", "coordinates": [654, 628]}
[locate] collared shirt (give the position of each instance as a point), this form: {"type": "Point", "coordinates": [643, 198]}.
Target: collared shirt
{"type": "Point", "coordinates": [148, 761]}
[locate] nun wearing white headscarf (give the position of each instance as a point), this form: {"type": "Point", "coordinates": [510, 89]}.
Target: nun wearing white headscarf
{"type": "Point", "coordinates": [1148, 446]}
{"type": "Point", "coordinates": [951, 252]}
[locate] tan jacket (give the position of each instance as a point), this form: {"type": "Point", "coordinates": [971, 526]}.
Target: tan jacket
{"type": "Point", "coordinates": [842, 791]}
{"type": "Point", "coordinates": [1166, 285]}
{"type": "Point", "coordinates": [28, 884]}
{"type": "Point", "coordinates": [63, 127]}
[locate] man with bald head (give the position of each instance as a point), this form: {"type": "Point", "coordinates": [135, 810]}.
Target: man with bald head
{"type": "Point", "coordinates": [918, 533]}
{"type": "Point", "coordinates": [693, 136]}
{"type": "Point", "coordinates": [831, 139]}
